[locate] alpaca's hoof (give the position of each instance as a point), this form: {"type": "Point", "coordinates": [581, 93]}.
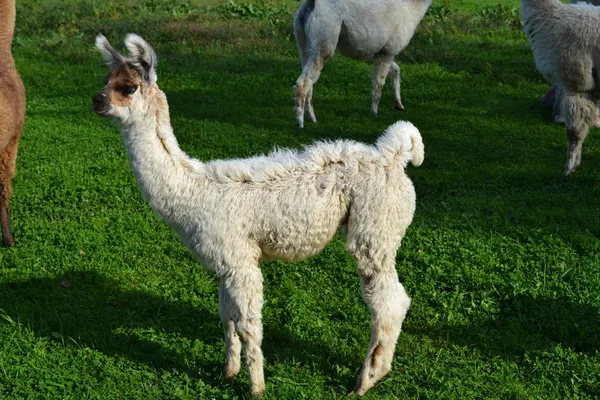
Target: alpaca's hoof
{"type": "Point", "coordinates": [8, 242]}
{"type": "Point", "coordinates": [231, 371]}
{"type": "Point", "coordinates": [258, 390]}
{"type": "Point", "coordinates": [399, 106]}
{"type": "Point", "coordinates": [569, 170]}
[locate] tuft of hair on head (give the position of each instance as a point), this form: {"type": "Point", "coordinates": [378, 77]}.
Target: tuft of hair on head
{"type": "Point", "coordinates": [112, 58]}
{"type": "Point", "coordinates": [142, 57]}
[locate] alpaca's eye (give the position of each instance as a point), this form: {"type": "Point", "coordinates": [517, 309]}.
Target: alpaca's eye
{"type": "Point", "coordinates": [129, 89]}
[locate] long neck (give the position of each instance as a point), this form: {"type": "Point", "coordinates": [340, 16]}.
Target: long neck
{"type": "Point", "coordinates": [7, 24]}
{"type": "Point", "coordinates": [164, 172]}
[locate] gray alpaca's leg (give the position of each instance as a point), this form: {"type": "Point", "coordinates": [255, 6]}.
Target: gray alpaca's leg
{"type": "Point", "coordinates": [245, 288]}
{"type": "Point", "coordinates": [580, 115]}
{"type": "Point", "coordinates": [557, 109]}
{"type": "Point", "coordinates": [233, 346]}
{"type": "Point", "coordinates": [394, 74]}
{"type": "Point", "coordinates": [304, 86]}
{"type": "Point", "coordinates": [309, 106]}
{"type": "Point", "coordinates": [381, 66]}
{"type": "Point", "coordinates": [301, 42]}
{"type": "Point", "coordinates": [315, 46]}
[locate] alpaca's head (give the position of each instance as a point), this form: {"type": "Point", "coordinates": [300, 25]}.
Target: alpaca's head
{"type": "Point", "coordinates": [131, 80]}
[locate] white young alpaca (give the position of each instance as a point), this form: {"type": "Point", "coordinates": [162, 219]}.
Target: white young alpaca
{"type": "Point", "coordinates": [361, 29]}
{"type": "Point", "coordinates": [232, 214]}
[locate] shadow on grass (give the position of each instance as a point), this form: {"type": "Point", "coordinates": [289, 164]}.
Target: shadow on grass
{"type": "Point", "coordinates": [94, 312]}
{"type": "Point", "coordinates": [526, 324]}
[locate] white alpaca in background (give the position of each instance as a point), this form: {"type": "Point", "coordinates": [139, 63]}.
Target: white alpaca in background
{"type": "Point", "coordinates": [565, 39]}
{"type": "Point", "coordinates": [232, 214]}
{"type": "Point", "coordinates": [361, 29]}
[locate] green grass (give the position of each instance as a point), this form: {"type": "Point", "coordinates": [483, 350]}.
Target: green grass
{"type": "Point", "coordinates": [101, 301]}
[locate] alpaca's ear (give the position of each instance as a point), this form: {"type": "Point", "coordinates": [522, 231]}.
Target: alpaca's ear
{"type": "Point", "coordinates": [142, 56]}
{"type": "Point", "coordinates": [112, 58]}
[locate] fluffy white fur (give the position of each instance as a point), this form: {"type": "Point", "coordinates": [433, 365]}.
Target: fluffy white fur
{"type": "Point", "coordinates": [362, 29]}
{"type": "Point", "coordinates": [288, 205]}
{"type": "Point", "coordinates": [565, 40]}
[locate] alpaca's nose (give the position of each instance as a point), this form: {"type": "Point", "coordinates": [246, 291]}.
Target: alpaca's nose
{"type": "Point", "coordinates": [100, 99]}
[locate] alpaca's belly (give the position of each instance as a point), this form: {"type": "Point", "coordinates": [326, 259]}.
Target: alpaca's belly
{"type": "Point", "coordinates": [301, 235]}
{"type": "Point", "coordinates": [361, 44]}
{"type": "Point", "coordinates": [297, 245]}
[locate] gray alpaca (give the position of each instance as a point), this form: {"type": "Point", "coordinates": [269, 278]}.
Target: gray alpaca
{"type": "Point", "coordinates": [361, 29]}
{"type": "Point", "coordinates": [554, 96]}
{"type": "Point", "coordinates": [565, 40]}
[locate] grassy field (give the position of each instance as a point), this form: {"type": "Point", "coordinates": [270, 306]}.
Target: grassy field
{"type": "Point", "coordinates": [100, 300]}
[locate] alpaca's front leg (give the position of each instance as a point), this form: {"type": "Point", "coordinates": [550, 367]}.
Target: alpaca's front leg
{"type": "Point", "coordinates": [386, 298]}
{"type": "Point", "coordinates": [381, 66]}
{"type": "Point", "coordinates": [394, 74]}
{"type": "Point", "coordinates": [245, 288]}
{"type": "Point", "coordinates": [233, 346]}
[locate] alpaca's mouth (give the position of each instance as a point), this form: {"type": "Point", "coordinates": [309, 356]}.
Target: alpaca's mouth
{"type": "Point", "coordinates": [101, 110]}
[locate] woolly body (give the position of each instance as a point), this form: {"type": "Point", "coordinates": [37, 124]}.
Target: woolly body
{"type": "Point", "coordinates": [555, 95]}
{"type": "Point", "coordinates": [12, 115]}
{"type": "Point", "coordinates": [284, 206]}
{"type": "Point", "coordinates": [232, 214]}
{"type": "Point", "coordinates": [369, 30]}
{"type": "Point", "coordinates": [565, 40]}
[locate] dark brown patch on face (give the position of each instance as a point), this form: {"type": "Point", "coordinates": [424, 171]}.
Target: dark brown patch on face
{"type": "Point", "coordinates": [120, 82]}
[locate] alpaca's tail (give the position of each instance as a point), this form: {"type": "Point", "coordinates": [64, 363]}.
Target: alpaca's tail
{"type": "Point", "coordinates": [402, 139]}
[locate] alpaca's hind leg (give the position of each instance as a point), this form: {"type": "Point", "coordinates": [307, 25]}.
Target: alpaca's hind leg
{"type": "Point", "coordinates": [8, 159]}
{"type": "Point", "coordinates": [388, 302]}
{"type": "Point", "coordinates": [580, 115]}
{"type": "Point", "coordinates": [394, 74]}
{"type": "Point", "coordinates": [304, 87]}
{"type": "Point", "coordinates": [381, 66]}
{"type": "Point", "coordinates": [301, 41]}
{"type": "Point", "coordinates": [233, 346]}
{"type": "Point", "coordinates": [315, 46]}
{"type": "Point", "coordinates": [309, 107]}
{"type": "Point", "coordinates": [245, 288]}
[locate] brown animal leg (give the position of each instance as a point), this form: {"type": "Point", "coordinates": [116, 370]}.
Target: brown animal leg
{"type": "Point", "coordinates": [8, 159]}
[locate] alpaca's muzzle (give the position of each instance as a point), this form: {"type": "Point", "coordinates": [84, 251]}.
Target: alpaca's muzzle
{"type": "Point", "coordinates": [101, 103]}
